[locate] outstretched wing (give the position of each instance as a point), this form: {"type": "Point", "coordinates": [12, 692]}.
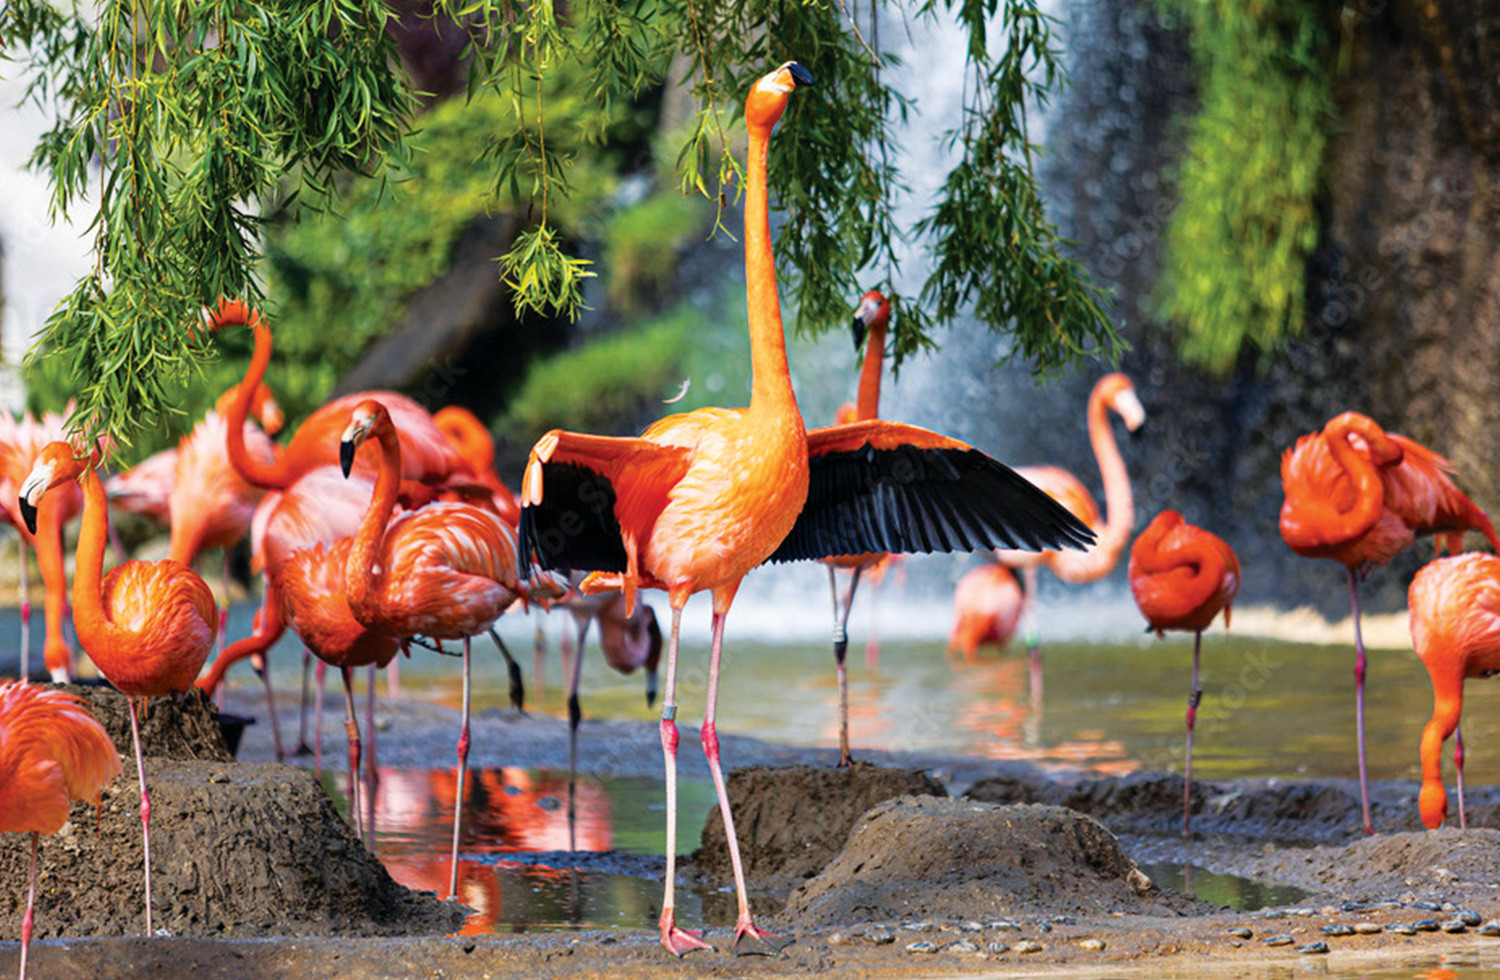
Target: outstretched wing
{"type": "Point", "coordinates": [579, 488]}
{"type": "Point", "coordinates": [884, 486]}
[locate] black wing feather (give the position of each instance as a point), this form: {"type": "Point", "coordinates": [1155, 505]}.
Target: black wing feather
{"type": "Point", "coordinates": [574, 528]}
{"type": "Point", "coordinates": [907, 499]}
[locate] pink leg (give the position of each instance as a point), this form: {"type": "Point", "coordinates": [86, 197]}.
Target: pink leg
{"type": "Point", "coordinates": [1458, 765]}
{"type": "Point", "coordinates": [575, 717]}
{"type": "Point", "coordinates": [840, 651]}
{"type": "Point", "coordinates": [1195, 694]}
{"type": "Point", "coordinates": [260, 665]}
{"type": "Point", "coordinates": [140, 768]}
{"type": "Point", "coordinates": [744, 925]}
{"type": "Point", "coordinates": [319, 673]}
{"type": "Point", "coordinates": [393, 678]}
{"type": "Point", "coordinates": [1359, 704]}
{"type": "Point", "coordinates": [26, 920]}
{"type": "Point", "coordinates": [25, 609]}
{"type": "Point", "coordinates": [370, 724]}
{"type": "Point", "coordinates": [463, 762]}
{"type": "Point", "coordinates": [1032, 634]}
{"type": "Point", "coordinates": [679, 941]}
{"type": "Point", "coordinates": [351, 732]}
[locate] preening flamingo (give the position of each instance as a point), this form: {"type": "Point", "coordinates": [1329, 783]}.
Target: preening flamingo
{"type": "Point", "coordinates": [21, 442]}
{"type": "Point", "coordinates": [987, 606]}
{"type": "Point", "coordinates": [52, 751]}
{"type": "Point", "coordinates": [1181, 577]}
{"type": "Point", "coordinates": [871, 318]}
{"type": "Point", "coordinates": [147, 625]}
{"type": "Point", "coordinates": [1358, 495]}
{"type": "Point", "coordinates": [700, 499]}
{"type": "Point", "coordinates": [1111, 393]}
{"type": "Point", "coordinates": [474, 443]}
{"type": "Point", "coordinates": [1455, 629]}
{"type": "Point", "coordinates": [445, 571]}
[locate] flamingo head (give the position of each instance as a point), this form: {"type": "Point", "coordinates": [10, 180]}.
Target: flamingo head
{"type": "Point", "coordinates": [1117, 392]}
{"type": "Point", "coordinates": [262, 406]}
{"type": "Point", "coordinates": [872, 309]}
{"type": "Point", "coordinates": [1432, 804]}
{"type": "Point", "coordinates": [767, 99]}
{"type": "Point", "coordinates": [369, 417]}
{"type": "Point", "coordinates": [56, 464]}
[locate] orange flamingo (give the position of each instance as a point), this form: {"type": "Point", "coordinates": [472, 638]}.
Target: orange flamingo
{"type": "Point", "coordinates": [52, 751]}
{"type": "Point", "coordinates": [1455, 629]}
{"type": "Point", "coordinates": [147, 625]}
{"type": "Point", "coordinates": [445, 571]}
{"type": "Point", "coordinates": [986, 608]}
{"type": "Point", "coordinates": [1181, 577]}
{"type": "Point", "coordinates": [474, 443]}
{"type": "Point", "coordinates": [426, 456]}
{"type": "Point", "coordinates": [1359, 495]}
{"type": "Point", "coordinates": [1111, 393]}
{"type": "Point", "coordinates": [700, 499]}
{"type": "Point", "coordinates": [21, 442]}
{"type": "Point", "coordinates": [871, 318]}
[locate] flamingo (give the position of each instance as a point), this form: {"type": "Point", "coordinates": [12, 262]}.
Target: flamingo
{"type": "Point", "coordinates": [699, 499]}
{"type": "Point", "coordinates": [1359, 495]}
{"type": "Point", "coordinates": [474, 443]}
{"type": "Point", "coordinates": [444, 571]}
{"type": "Point", "coordinates": [147, 625]}
{"type": "Point", "coordinates": [1181, 577]}
{"type": "Point", "coordinates": [986, 608]}
{"type": "Point", "coordinates": [1455, 629]}
{"type": "Point", "coordinates": [1111, 393]}
{"type": "Point", "coordinates": [870, 320]}
{"type": "Point", "coordinates": [52, 751]}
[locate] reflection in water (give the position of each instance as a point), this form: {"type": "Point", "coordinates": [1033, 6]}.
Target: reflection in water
{"type": "Point", "coordinates": [1230, 891]}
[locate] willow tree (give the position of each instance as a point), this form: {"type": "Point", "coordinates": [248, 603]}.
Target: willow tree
{"type": "Point", "coordinates": [183, 123]}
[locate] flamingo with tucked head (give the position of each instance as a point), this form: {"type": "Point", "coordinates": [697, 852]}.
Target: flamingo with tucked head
{"type": "Point", "coordinates": [1182, 577]}
{"type": "Point", "coordinates": [1359, 495]}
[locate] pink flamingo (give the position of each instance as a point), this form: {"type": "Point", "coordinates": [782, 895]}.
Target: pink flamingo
{"type": "Point", "coordinates": [986, 608]}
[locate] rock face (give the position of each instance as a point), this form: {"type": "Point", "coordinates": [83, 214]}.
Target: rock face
{"type": "Point", "coordinates": [793, 820]}
{"type": "Point", "coordinates": [170, 730]}
{"type": "Point", "coordinates": [922, 857]}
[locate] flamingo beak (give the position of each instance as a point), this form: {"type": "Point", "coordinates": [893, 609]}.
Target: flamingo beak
{"type": "Point", "coordinates": [31, 494]}
{"type": "Point", "coordinates": [858, 328]}
{"type": "Point", "coordinates": [346, 456]}
{"type": "Point", "coordinates": [349, 443]}
{"type": "Point", "coordinates": [800, 75]}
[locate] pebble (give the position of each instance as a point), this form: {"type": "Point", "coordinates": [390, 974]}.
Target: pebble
{"type": "Point", "coordinates": [922, 947]}
{"type": "Point", "coordinates": [1065, 920]}
{"type": "Point", "coordinates": [1240, 932]}
{"type": "Point", "coordinates": [1454, 926]}
{"type": "Point", "coordinates": [1092, 945]}
{"type": "Point", "coordinates": [1028, 946]}
{"type": "Point", "coordinates": [1401, 929]}
{"type": "Point", "coordinates": [1005, 926]}
{"type": "Point", "coordinates": [971, 927]}
{"type": "Point", "coordinates": [1305, 913]}
{"type": "Point", "coordinates": [839, 939]}
{"type": "Point", "coordinates": [1468, 917]}
{"type": "Point", "coordinates": [962, 946]}
{"type": "Point", "coordinates": [1337, 929]}
{"type": "Point", "coordinates": [1043, 926]}
{"type": "Point", "coordinates": [918, 927]}
{"type": "Point", "coordinates": [998, 947]}
{"type": "Point", "coordinates": [1353, 907]}
{"type": "Point", "coordinates": [1313, 948]}
{"type": "Point", "coordinates": [880, 936]}
{"type": "Point", "coordinates": [1426, 925]}
{"type": "Point", "coordinates": [1490, 928]}
{"type": "Point", "coordinates": [1367, 928]}
{"type": "Point", "coordinates": [1281, 940]}
{"type": "Point", "coordinates": [1426, 906]}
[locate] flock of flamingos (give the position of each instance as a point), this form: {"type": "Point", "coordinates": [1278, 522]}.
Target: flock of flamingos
{"type": "Point", "coordinates": [379, 525]}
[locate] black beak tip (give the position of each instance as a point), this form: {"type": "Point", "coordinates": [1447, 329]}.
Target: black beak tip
{"type": "Point", "coordinates": [28, 515]}
{"type": "Point", "coordinates": [1137, 431]}
{"type": "Point", "coordinates": [858, 329]}
{"type": "Point", "coordinates": [346, 457]}
{"type": "Point", "coordinates": [800, 75]}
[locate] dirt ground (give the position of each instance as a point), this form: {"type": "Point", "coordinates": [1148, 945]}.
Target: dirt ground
{"type": "Point", "coordinates": [885, 870]}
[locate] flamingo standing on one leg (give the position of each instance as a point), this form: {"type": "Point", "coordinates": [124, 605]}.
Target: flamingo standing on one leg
{"type": "Point", "coordinates": [1181, 577]}
{"type": "Point", "coordinates": [699, 499]}
{"type": "Point", "coordinates": [1455, 629]}
{"type": "Point", "coordinates": [1359, 495]}
{"type": "Point", "coordinates": [445, 571]}
{"type": "Point", "coordinates": [52, 751]}
{"type": "Point", "coordinates": [871, 318]}
{"type": "Point", "coordinates": [987, 606]}
{"type": "Point", "coordinates": [21, 442]}
{"type": "Point", "coordinates": [1113, 392]}
{"type": "Point", "coordinates": [148, 626]}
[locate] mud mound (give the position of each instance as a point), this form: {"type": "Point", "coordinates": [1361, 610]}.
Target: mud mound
{"type": "Point", "coordinates": [922, 857]}
{"type": "Point", "coordinates": [170, 730]}
{"type": "Point", "coordinates": [1443, 864]}
{"type": "Point", "coordinates": [236, 851]}
{"type": "Point", "coordinates": [793, 820]}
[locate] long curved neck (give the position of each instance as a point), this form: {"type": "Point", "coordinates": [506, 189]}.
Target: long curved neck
{"type": "Point", "coordinates": [1119, 502]}
{"type": "Point", "coordinates": [1447, 704]}
{"type": "Point", "coordinates": [1203, 562]}
{"type": "Point", "coordinates": [359, 569]}
{"type": "Point", "coordinates": [771, 380]}
{"type": "Point", "coordinates": [256, 472]}
{"type": "Point", "coordinates": [1369, 492]}
{"type": "Point", "coordinates": [96, 633]}
{"type": "Point", "coordinates": [868, 405]}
